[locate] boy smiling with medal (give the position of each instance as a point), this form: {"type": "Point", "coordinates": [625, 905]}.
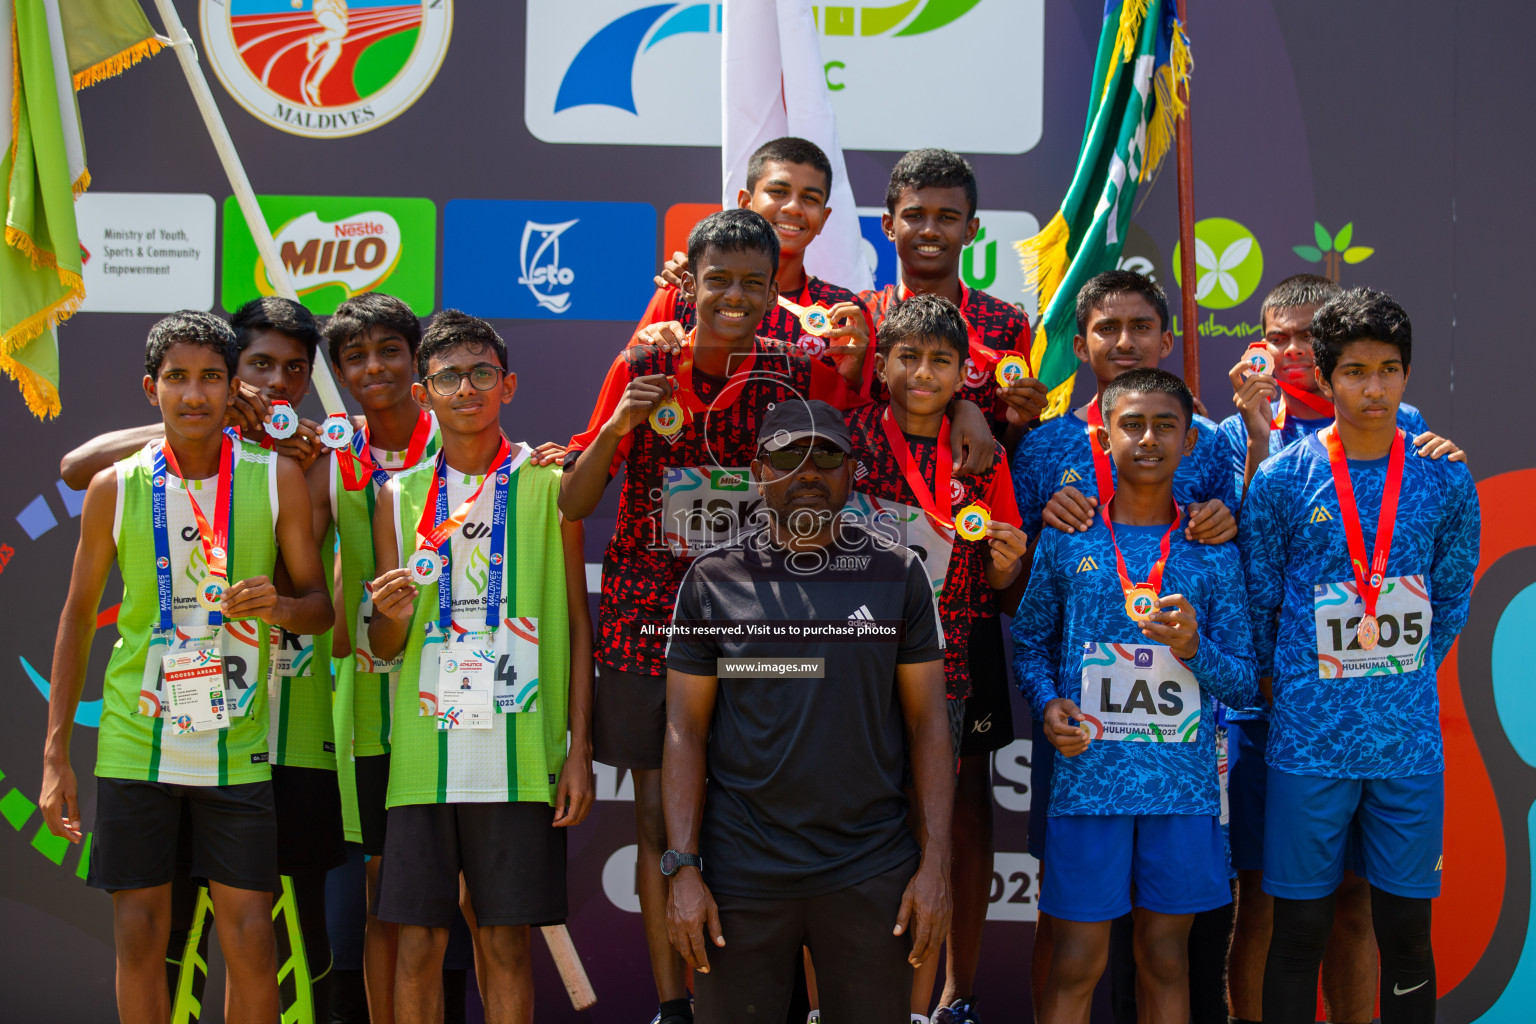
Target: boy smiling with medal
{"type": "Point", "coordinates": [1360, 566]}
{"type": "Point", "coordinates": [479, 579]}
{"type": "Point", "coordinates": [1128, 635]}
{"type": "Point", "coordinates": [176, 724]}
{"type": "Point", "coordinates": [965, 528]}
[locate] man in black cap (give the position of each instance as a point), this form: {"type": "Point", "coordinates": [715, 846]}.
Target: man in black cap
{"type": "Point", "coordinates": [806, 662]}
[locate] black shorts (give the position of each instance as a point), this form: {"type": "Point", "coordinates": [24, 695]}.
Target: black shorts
{"type": "Point", "coordinates": [862, 973]}
{"type": "Point", "coordinates": [310, 837]}
{"type": "Point", "coordinates": [232, 841]}
{"type": "Point", "coordinates": [989, 708]}
{"type": "Point", "coordinates": [629, 718]}
{"type": "Point", "coordinates": [372, 774]}
{"type": "Point", "coordinates": [512, 858]}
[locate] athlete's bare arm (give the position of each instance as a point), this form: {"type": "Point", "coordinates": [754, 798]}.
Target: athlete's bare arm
{"type": "Point", "coordinates": [94, 557]}
{"type": "Point", "coordinates": [574, 794]}
{"type": "Point", "coordinates": [581, 486]}
{"type": "Point", "coordinates": [394, 594]}
{"type": "Point", "coordinates": [691, 909]}
{"type": "Point", "coordinates": [309, 610]}
{"type": "Point", "coordinates": [925, 905]}
{"type": "Point", "coordinates": [79, 466]}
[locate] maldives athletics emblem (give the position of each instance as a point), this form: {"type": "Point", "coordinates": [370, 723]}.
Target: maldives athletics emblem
{"type": "Point", "coordinates": [326, 68]}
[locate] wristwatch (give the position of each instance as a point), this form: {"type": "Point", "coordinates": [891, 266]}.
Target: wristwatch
{"type": "Point", "coordinates": [672, 862]}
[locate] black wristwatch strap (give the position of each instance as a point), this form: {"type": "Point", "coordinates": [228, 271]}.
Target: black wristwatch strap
{"type": "Point", "coordinates": [672, 862]}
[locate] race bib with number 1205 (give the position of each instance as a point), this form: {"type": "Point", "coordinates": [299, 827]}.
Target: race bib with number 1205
{"type": "Point", "coordinates": [1403, 615]}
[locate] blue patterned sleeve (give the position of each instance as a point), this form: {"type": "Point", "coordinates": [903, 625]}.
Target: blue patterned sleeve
{"type": "Point", "coordinates": [1412, 421]}
{"type": "Point", "coordinates": [1456, 554]}
{"type": "Point", "coordinates": [1234, 453]}
{"type": "Point", "coordinates": [1037, 627]}
{"type": "Point", "coordinates": [1224, 663]}
{"type": "Point", "coordinates": [1261, 541]}
{"type": "Point", "coordinates": [1026, 483]}
{"type": "Point", "coordinates": [1220, 483]}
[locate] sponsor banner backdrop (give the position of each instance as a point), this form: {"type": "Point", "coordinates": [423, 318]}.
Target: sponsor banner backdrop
{"type": "Point", "coordinates": [146, 252]}
{"type": "Point", "coordinates": [536, 261]}
{"type": "Point", "coordinates": [607, 71]}
{"type": "Point", "coordinates": [453, 105]}
{"type": "Point", "coordinates": [335, 247]}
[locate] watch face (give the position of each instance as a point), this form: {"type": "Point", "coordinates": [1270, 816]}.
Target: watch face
{"type": "Point", "coordinates": [669, 863]}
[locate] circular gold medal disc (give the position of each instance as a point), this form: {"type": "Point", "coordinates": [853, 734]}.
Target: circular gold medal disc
{"type": "Point", "coordinates": [1369, 631]}
{"type": "Point", "coordinates": [1140, 603]}
{"type": "Point", "coordinates": [1010, 370]}
{"type": "Point", "coordinates": [971, 522]}
{"type": "Point", "coordinates": [815, 321]}
{"type": "Point", "coordinates": [210, 593]}
{"type": "Point", "coordinates": [667, 418]}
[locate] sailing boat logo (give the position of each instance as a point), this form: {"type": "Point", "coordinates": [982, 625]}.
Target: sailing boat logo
{"type": "Point", "coordinates": [540, 263]}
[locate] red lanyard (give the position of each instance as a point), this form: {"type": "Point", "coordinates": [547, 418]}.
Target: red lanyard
{"type": "Point", "coordinates": [931, 500]}
{"type": "Point", "coordinates": [1145, 593]}
{"type": "Point", "coordinates": [1370, 588]}
{"type": "Point", "coordinates": [429, 536]}
{"type": "Point", "coordinates": [1101, 471]}
{"type": "Point", "coordinates": [357, 467]}
{"type": "Point", "coordinates": [215, 538]}
{"type": "Point", "coordinates": [1316, 403]}
{"type": "Point", "coordinates": [983, 357]}
{"type": "Point", "coordinates": [682, 383]}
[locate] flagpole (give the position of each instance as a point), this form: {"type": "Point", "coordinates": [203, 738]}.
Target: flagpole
{"type": "Point", "coordinates": [1191, 315]}
{"type": "Point", "coordinates": [277, 273]}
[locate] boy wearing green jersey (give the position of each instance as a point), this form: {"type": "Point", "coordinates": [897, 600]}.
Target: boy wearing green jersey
{"type": "Point", "coordinates": [185, 720]}
{"type": "Point", "coordinates": [372, 341]}
{"type": "Point", "coordinates": [479, 579]}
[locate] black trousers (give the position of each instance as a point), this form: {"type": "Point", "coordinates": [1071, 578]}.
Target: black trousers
{"type": "Point", "coordinates": [862, 972]}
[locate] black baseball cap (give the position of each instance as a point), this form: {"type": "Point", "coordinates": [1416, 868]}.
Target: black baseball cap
{"type": "Point", "coordinates": [795, 421]}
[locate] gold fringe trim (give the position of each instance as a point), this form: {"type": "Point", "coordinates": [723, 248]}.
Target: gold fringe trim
{"type": "Point", "coordinates": [1044, 260]}
{"type": "Point", "coordinates": [1171, 83]}
{"type": "Point", "coordinates": [81, 183]}
{"type": "Point", "coordinates": [1132, 14]}
{"type": "Point", "coordinates": [37, 391]}
{"type": "Point", "coordinates": [112, 66]}
{"type": "Point", "coordinates": [43, 319]}
{"type": "Point", "coordinates": [1059, 401]}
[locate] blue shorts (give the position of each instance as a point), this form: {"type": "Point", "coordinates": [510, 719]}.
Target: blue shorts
{"type": "Point", "coordinates": [1042, 772]}
{"type": "Point", "coordinates": [1397, 825]}
{"type": "Point", "coordinates": [1173, 863]}
{"type": "Point", "coordinates": [1246, 774]}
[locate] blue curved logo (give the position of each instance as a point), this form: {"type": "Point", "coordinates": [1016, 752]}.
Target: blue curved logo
{"type": "Point", "coordinates": [604, 70]}
{"type": "Point", "coordinates": [87, 712]}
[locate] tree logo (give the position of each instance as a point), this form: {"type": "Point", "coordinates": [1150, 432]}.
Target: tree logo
{"type": "Point", "coordinates": [1228, 263]}
{"type": "Point", "coordinates": [326, 68]}
{"type": "Point", "coordinates": [1333, 252]}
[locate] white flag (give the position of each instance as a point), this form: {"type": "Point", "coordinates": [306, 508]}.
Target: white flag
{"type": "Point", "coordinates": [773, 84]}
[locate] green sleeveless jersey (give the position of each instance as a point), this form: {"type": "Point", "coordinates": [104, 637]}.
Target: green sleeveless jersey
{"type": "Point", "coordinates": [520, 757]}
{"type": "Point", "coordinates": [364, 721]}
{"type": "Point", "coordinates": [299, 729]}
{"type": "Point", "coordinates": [135, 746]}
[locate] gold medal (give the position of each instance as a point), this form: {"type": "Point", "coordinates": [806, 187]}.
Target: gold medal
{"type": "Point", "coordinates": [1368, 632]}
{"type": "Point", "coordinates": [210, 593]}
{"type": "Point", "coordinates": [971, 521]}
{"type": "Point", "coordinates": [815, 321]}
{"type": "Point", "coordinates": [667, 418]}
{"type": "Point", "coordinates": [1010, 370]}
{"type": "Point", "coordinates": [1140, 602]}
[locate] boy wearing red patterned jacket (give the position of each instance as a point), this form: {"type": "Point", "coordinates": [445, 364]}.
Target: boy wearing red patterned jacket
{"type": "Point", "coordinates": [965, 529]}
{"type": "Point", "coordinates": [788, 181]}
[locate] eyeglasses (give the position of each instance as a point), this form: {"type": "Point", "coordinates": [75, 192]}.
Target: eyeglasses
{"type": "Point", "coordinates": [788, 459]}
{"type": "Point", "coordinates": [446, 382]}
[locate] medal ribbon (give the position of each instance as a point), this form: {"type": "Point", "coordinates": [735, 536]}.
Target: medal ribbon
{"type": "Point", "coordinates": [1317, 403]}
{"type": "Point", "coordinates": [356, 461]}
{"type": "Point", "coordinates": [803, 298]}
{"type": "Point", "coordinates": [932, 499]}
{"type": "Point", "coordinates": [682, 383]}
{"type": "Point", "coordinates": [1155, 577]}
{"type": "Point", "coordinates": [1369, 587]}
{"type": "Point", "coordinates": [1103, 476]}
{"type": "Point", "coordinates": [215, 538]}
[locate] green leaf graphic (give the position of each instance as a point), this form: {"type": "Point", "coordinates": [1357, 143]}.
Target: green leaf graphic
{"type": "Point", "coordinates": [1357, 253]}
{"type": "Point", "coordinates": [1308, 253]}
{"type": "Point", "coordinates": [1321, 234]}
{"type": "Point", "coordinates": [1341, 240]}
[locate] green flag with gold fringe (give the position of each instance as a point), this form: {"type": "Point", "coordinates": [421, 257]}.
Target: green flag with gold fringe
{"type": "Point", "coordinates": [48, 49]}
{"type": "Point", "coordinates": [1143, 62]}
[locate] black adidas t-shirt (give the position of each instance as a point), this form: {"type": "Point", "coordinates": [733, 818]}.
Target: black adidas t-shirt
{"type": "Point", "coordinates": [805, 775]}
